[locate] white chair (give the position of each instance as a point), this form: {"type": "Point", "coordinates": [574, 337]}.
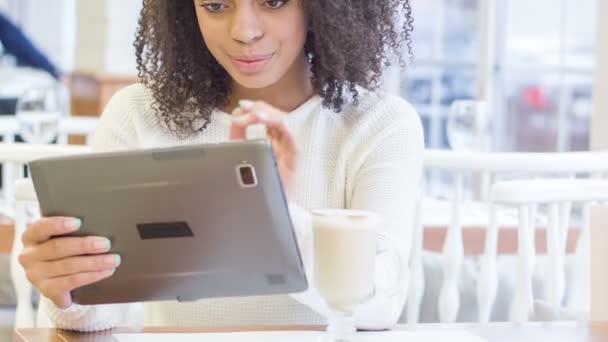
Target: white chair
{"type": "Point", "coordinates": [9, 128]}
{"type": "Point", "coordinates": [14, 81]}
{"type": "Point", "coordinates": [77, 125]}
{"type": "Point", "coordinates": [489, 167]}
{"type": "Point", "coordinates": [559, 196]}
{"type": "Point", "coordinates": [18, 155]}
{"type": "Point", "coordinates": [24, 313]}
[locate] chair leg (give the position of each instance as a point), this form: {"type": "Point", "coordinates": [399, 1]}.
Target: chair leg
{"type": "Point", "coordinates": [416, 286]}
{"type": "Point", "coordinates": [487, 285]}
{"type": "Point", "coordinates": [453, 255]}
{"type": "Point", "coordinates": [415, 292]}
{"type": "Point", "coordinates": [554, 282]}
{"type": "Point", "coordinates": [579, 292]}
{"type": "Point", "coordinates": [24, 317]}
{"type": "Point", "coordinates": [522, 304]}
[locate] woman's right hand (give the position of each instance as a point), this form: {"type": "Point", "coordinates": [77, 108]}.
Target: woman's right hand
{"type": "Point", "coordinates": [58, 264]}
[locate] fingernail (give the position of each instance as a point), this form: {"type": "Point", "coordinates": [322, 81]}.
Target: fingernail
{"type": "Point", "coordinates": [113, 260]}
{"type": "Point", "coordinates": [246, 104]}
{"type": "Point", "coordinates": [239, 120]}
{"type": "Point", "coordinates": [102, 244]}
{"type": "Point", "coordinates": [73, 223]}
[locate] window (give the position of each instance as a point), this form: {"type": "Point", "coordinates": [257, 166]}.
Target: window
{"type": "Point", "coordinates": [542, 73]}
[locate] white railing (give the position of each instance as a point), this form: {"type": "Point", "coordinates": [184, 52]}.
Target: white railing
{"type": "Point", "coordinates": [490, 167]}
{"type": "Point", "coordinates": [9, 128]}
{"type": "Point", "coordinates": [558, 196]}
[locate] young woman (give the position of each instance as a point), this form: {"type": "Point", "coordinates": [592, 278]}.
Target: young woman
{"type": "Point", "coordinates": [307, 69]}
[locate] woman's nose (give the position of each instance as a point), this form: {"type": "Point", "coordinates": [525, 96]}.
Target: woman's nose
{"type": "Point", "coordinates": [247, 26]}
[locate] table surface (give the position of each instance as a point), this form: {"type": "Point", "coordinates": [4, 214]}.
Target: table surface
{"type": "Point", "coordinates": [553, 332]}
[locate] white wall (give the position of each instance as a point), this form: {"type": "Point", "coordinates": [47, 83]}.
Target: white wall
{"type": "Point", "coordinates": [599, 123]}
{"type": "Point", "coordinates": [106, 31]}
{"type": "Point", "coordinates": [4, 5]}
{"type": "Point", "coordinates": [9, 8]}
{"type": "Point", "coordinates": [92, 36]}
{"type": "Point", "coordinates": [121, 25]}
{"type": "Point", "coordinates": [50, 25]}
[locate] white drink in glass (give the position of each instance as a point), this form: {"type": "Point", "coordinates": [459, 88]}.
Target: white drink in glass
{"type": "Point", "coordinates": [344, 255]}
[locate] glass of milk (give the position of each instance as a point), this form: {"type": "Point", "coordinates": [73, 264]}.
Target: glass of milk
{"type": "Point", "coordinates": [345, 248]}
{"type": "Point", "coordinates": [38, 111]}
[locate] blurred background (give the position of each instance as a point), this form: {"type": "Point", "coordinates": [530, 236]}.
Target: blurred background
{"type": "Point", "coordinates": [532, 61]}
{"type": "Point", "coordinates": [89, 43]}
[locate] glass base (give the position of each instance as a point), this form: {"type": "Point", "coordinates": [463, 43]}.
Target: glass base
{"type": "Point", "coordinates": [341, 328]}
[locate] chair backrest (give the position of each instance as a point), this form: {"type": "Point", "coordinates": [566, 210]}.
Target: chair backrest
{"type": "Point", "coordinates": [9, 129]}
{"type": "Point", "coordinates": [77, 125]}
{"type": "Point", "coordinates": [558, 196]}
{"type": "Point", "coordinates": [16, 155]}
{"type": "Point", "coordinates": [486, 168]}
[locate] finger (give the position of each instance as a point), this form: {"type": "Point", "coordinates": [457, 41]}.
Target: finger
{"type": "Point", "coordinates": [64, 247]}
{"type": "Point", "coordinates": [249, 113]}
{"type": "Point", "coordinates": [70, 266]}
{"type": "Point", "coordinates": [238, 131]}
{"type": "Point", "coordinates": [58, 289]}
{"type": "Point", "coordinates": [63, 301]}
{"type": "Point", "coordinates": [261, 116]}
{"type": "Point", "coordinates": [284, 142]}
{"type": "Point", "coordinates": [285, 139]}
{"type": "Point", "coordinates": [47, 227]}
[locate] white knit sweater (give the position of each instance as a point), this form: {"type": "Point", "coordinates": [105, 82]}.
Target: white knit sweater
{"type": "Point", "coordinates": [368, 156]}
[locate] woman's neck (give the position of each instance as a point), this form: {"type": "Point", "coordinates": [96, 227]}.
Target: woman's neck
{"type": "Point", "coordinates": [293, 89]}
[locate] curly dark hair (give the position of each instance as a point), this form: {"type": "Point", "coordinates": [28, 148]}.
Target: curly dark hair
{"type": "Point", "coordinates": [347, 46]}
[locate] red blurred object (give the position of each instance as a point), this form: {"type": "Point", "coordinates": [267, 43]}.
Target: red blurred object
{"type": "Point", "coordinates": [536, 98]}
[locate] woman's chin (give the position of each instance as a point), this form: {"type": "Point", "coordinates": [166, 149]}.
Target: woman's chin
{"type": "Point", "coordinates": [254, 81]}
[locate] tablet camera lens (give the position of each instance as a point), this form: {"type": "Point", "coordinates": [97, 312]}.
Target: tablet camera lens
{"type": "Point", "coordinates": [247, 175]}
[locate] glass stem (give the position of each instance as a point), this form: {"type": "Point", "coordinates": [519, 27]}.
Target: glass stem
{"type": "Point", "coordinates": [341, 326]}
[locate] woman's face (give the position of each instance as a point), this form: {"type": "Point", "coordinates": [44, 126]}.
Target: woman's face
{"type": "Point", "coordinates": [257, 41]}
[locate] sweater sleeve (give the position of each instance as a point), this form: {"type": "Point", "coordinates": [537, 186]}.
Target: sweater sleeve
{"type": "Point", "coordinates": [386, 182]}
{"type": "Point", "coordinates": [115, 132]}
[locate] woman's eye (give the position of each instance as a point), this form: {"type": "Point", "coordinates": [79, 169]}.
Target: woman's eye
{"type": "Point", "coordinates": [274, 4]}
{"type": "Point", "coordinates": [214, 7]}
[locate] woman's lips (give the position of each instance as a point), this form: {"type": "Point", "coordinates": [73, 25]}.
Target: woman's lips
{"type": "Point", "coordinates": [251, 64]}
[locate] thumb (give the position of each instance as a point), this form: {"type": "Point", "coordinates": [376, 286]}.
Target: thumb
{"type": "Point", "coordinates": [63, 301]}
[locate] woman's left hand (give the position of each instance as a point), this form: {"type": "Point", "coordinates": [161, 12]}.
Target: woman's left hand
{"type": "Point", "coordinates": [283, 143]}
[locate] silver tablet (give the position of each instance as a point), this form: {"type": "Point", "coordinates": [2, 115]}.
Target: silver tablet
{"type": "Point", "coordinates": [189, 222]}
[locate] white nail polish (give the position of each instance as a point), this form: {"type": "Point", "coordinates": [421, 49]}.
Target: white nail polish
{"type": "Point", "coordinates": [239, 120]}
{"type": "Point", "coordinates": [246, 104]}
{"type": "Point", "coordinates": [73, 223]}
